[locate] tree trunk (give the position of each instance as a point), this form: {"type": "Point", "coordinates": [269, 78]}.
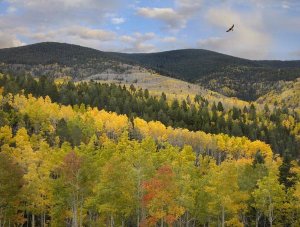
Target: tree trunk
{"type": "Point", "coordinates": [80, 216]}
{"type": "Point", "coordinates": [223, 217]}
{"type": "Point", "coordinates": [111, 220]}
{"type": "Point", "coordinates": [32, 220]}
{"type": "Point", "coordinates": [257, 219]}
{"type": "Point", "coordinates": [187, 219]}
{"type": "Point", "coordinates": [139, 198]}
{"type": "Point", "coordinates": [162, 223]}
{"type": "Point", "coordinates": [90, 217]}
{"type": "Point", "coordinates": [219, 158]}
{"type": "Point", "coordinates": [271, 212]}
{"type": "Point", "coordinates": [1, 220]}
{"type": "Point", "coordinates": [44, 219]}
{"type": "Point", "coordinates": [271, 217]}
{"type": "Point", "coordinates": [74, 219]}
{"type": "Point", "coordinates": [107, 222]}
{"type": "Point", "coordinates": [27, 219]}
{"type": "Point", "coordinates": [138, 219]}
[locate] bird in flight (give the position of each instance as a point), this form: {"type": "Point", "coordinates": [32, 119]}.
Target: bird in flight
{"type": "Point", "coordinates": [230, 29]}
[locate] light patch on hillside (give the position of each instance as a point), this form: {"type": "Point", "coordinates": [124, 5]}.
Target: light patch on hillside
{"type": "Point", "coordinates": [156, 84]}
{"type": "Point", "coordinates": [286, 93]}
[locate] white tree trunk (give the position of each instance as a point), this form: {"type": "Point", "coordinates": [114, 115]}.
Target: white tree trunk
{"type": "Point", "coordinates": [32, 220]}
{"type": "Point", "coordinates": [223, 217]}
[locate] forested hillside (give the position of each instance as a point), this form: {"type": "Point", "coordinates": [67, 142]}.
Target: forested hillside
{"type": "Point", "coordinates": [278, 127]}
{"type": "Point", "coordinates": [77, 166]}
{"type": "Point", "coordinates": [57, 60]}
{"type": "Point", "coordinates": [225, 74]}
{"type": "Point", "coordinates": [285, 93]}
{"type": "Point", "coordinates": [51, 53]}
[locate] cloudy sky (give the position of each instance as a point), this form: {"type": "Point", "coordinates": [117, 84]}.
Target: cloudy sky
{"type": "Point", "coordinates": [264, 29]}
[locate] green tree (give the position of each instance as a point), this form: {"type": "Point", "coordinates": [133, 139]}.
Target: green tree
{"type": "Point", "coordinates": [116, 191]}
{"type": "Point", "coordinates": [11, 183]}
{"type": "Point", "coordinates": [269, 197]}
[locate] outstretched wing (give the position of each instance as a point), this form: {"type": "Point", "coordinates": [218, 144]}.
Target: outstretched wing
{"type": "Point", "coordinates": [230, 29]}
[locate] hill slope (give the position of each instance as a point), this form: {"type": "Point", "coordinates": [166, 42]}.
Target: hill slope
{"type": "Point", "coordinates": [225, 74]}
{"type": "Point", "coordinates": [49, 53]}
{"type": "Point", "coordinates": [286, 94]}
{"type": "Point", "coordinates": [58, 59]}
{"type": "Point", "coordinates": [188, 64]}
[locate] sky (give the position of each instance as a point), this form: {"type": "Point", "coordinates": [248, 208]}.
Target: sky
{"type": "Point", "coordinates": [264, 29]}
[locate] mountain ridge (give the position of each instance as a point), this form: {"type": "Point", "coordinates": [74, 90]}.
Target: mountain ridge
{"type": "Point", "coordinates": [259, 62]}
{"type": "Point", "coordinates": [228, 75]}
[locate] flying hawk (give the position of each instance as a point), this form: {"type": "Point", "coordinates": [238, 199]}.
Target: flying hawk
{"type": "Point", "coordinates": [230, 29]}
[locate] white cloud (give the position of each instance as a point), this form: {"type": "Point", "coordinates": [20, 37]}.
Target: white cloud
{"type": "Point", "coordinates": [285, 5]}
{"type": "Point", "coordinates": [45, 20]}
{"type": "Point", "coordinates": [248, 40]}
{"type": "Point", "coordinates": [141, 48]}
{"type": "Point", "coordinates": [275, 3]}
{"type": "Point", "coordinates": [295, 53]}
{"type": "Point", "coordinates": [95, 38]}
{"type": "Point", "coordinates": [11, 9]}
{"type": "Point", "coordinates": [61, 12]}
{"type": "Point", "coordinates": [83, 33]}
{"type": "Point", "coordinates": [188, 7]}
{"type": "Point", "coordinates": [170, 39]}
{"type": "Point", "coordinates": [144, 37]}
{"type": "Point", "coordinates": [127, 39]}
{"type": "Point", "coordinates": [160, 13]}
{"type": "Point", "coordinates": [7, 40]}
{"type": "Point", "coordinates": [118, 20]}
{"type": "Point", "coordinates": [88, 33]}
{"type": "Point", "coordinates": [174, 18]}
{"type": "Point", "coordinates": [169, 16]}
{"type": "Point", "coordinates": [138, 42]}
{"type": "Point", "coordinates": [45, 5]}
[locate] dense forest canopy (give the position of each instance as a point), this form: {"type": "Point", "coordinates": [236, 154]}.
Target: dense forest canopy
{"type": "Point", "coordinates": [277, 126]}
{"type": "Point", "coordinates": [83, 166]}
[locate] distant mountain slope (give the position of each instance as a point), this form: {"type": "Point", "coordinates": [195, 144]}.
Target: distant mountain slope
{"type": "Point", "coordinates": [193, 64]}
{"type": "Point", "coordinates": [222, 73]}
{"type": "Point", "coordinates": [285, 94]}
{"type": "Point", "coordinates": [50, 53]}
{"type": "Point", "coordinates": [173, 88]}
{"type": "Point", "coordinates": [188, 64]}
{"type": "Point", "coordinates": [58, 59]}
{"type": "Point", "coordinates": [225, 74]}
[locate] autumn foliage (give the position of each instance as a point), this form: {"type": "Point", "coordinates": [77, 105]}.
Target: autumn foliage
{"type": "Point", "coordinates": [160, 197]}
{"type": "Point", "coordinates": [80, 166]}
